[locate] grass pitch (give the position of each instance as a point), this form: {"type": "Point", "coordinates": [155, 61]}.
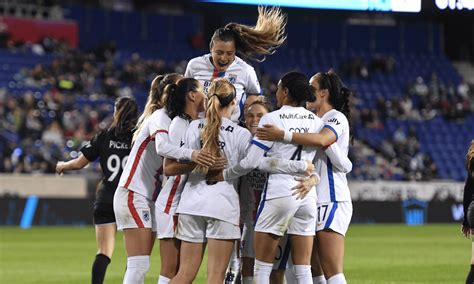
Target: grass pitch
{"type": "Point", "coordinates": [374, 254]}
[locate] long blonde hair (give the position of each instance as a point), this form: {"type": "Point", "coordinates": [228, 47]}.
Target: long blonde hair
{"type": "Point", "coordinates": [220, 95]}
{"type": "Point", "coordinates": [470, 159]}
{"type": "Point", "coordinates": [154, 100]}
{"type": "Point", "coordinates": [256, 42]}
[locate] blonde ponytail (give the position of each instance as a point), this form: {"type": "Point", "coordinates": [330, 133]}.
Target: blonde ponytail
{"type": "Point", "coordinates": [221, 93]}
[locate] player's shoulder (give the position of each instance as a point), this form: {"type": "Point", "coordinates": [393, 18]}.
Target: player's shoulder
{"type": "Point", "coordinates": [335, 116]}
{"type": "Point", "coordinates": [243, 65]}
{"type": "Point", "coordinates": [197, 124]}
{"type": "Point", "coordinates": [160, 114]}
{"type": "Point", "coordinates": [198, 61]}
{"type": "Point", "coordinates": [179, 122]}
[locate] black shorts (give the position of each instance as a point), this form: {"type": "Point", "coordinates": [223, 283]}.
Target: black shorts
{"type": "Point", "coordinates": [470, 215]}
{"type": "Point", "coordinates": [103, 213]}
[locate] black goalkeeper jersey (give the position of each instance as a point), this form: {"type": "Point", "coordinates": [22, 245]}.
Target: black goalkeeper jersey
{"type": "Point", "coordinates": [113, 153]}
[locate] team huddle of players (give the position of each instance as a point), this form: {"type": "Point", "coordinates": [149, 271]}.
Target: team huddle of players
{"type": "Point", "coordinates": [208, 164]}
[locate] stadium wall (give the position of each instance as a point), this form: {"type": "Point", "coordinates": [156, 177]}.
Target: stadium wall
{"type": "Point", "coordinates": [69, 201]}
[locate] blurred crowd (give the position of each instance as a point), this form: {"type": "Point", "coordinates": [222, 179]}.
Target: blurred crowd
{"type": "Point", "coordinates": [39, 128]}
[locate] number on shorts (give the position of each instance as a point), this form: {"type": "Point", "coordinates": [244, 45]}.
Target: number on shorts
{"type": "Point", "coordinates": [325, 208]}
{"type": "Point", "coordinates": [114, 164]}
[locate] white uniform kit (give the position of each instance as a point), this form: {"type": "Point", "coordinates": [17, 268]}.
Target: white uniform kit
{"type": "Point", "coordinates": [170, 194]}
{"type": "Point", "coordinates": [334, 198]}
{"type": "Point", "coordinates": [141, 178]}
{"type": "Point", "coordinates": [280, 211]}
{"type": "Point", "coordinates": [212, 210]}
{"type": "Point", "coordinates": [239, 73]}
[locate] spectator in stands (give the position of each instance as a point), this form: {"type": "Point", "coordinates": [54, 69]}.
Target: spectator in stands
{"type": "Point", "coordinates": [468, 221]}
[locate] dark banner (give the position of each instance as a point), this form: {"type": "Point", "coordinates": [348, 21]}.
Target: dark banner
{"type": "Point", "coordinates": [46, 211]}
{"type": "Point", "coordinates": [411, 212]}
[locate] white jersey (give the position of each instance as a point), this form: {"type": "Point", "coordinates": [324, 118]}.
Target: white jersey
{"type": "Point", "coordinates": [333, 185]}
{"type": "Point", "coordinates": [144, 165]}
{"type": "Point", "coordinates": [169, 196]}
{"type": "Point", "coordinates": [239, 73]}
{"type": "Point", "coordinates": [220, 200]}
{"type": "Point", "coordinates": [293, 119]}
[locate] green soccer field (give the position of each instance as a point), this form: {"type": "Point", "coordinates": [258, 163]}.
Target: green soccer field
{"type": "Point", "coordinates": [374, 254]}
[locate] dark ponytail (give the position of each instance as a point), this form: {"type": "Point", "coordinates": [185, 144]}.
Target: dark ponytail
{"type": "Point", "coordinates": [125, 118]}
{"type": "Point", "coordinates": [176, 101]}
{"type": "Point", "coordinates": [339, 95]}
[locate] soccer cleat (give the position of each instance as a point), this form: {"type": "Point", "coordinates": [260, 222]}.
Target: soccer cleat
{"type": "Point", "coordinates": [229, 277]}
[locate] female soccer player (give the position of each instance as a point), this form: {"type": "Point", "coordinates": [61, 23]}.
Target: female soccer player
{"type": "Point", "coordinates": [209, 211]}
{"type": "Point", "coordinates": [134, 198]}
{"type": "Point", "coordinates": [280, 211]}
{"type": "Point", "coordinates": [112, 147]}
{"type": "Point", "coordinates": [251, 43]}
{"type": "Point", "coordinates": [251, 188]}
{"type": "Point", "coordinates": [186, 100]}
{"type": "Point", "coordinates": [468, 223]}
{"type": "Point", "coordinates": [334, 201]}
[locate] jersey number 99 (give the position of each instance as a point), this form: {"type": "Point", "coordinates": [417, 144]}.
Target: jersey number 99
{"type": "Point", "coordinates": [114, 164]}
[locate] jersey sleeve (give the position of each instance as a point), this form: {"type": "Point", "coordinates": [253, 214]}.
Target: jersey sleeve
{"type": "Point", "coordinates": [281, 166]}
{"type": "Point", "coordinates": [253, 86]}
{"type": "Point", "coordinates": [159, 127]}
{"type": "Point", "coordinates": [92, 148]}
{"type": "Point", "coordinates": [189, 73]}
{"type": "Point", "coordinates": [336, 122]}
{"type": "Point", "coordinates": [338, 159]}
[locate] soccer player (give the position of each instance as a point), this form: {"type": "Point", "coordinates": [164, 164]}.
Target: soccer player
{"type": "Point", "coordinates": [280, 211]}
{"type": "Point", "coordinates": [112, 147]}
{"type": "Point", "coordinates": [249, 42]}
{"type": "Point", "coordinates": [251, 188]}
{"type": "Point", "coordinates": [334, 200]}
{"type": "Point", "coordinates": [468, 222]}
{"type": "Point", "coordinates": [134, 198]}
{"type": "Point", "coordinates": [209, 211]}
{"type": "Point", "coordinates": [186, 100]}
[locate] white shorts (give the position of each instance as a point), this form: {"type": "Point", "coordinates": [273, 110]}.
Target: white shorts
{"type": "Point", "coordinates": [133, 210]}
{"type": "Point", "coordinates": [335, 216]}
{"type": "Point", "coordinates": [247, 247]}
{"type": "Point", "coordinates": [166, 225]}
{"type": "Point", "coordinates": [197, 229]}
{"type": "Point", "coordinates": [287, 214]}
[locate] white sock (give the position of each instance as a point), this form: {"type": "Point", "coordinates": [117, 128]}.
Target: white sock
{"type": "Point", "coordinates": [247, 280]}
{"type": "Point", "coordinates": [163, 280]}
{"type": "Point", "coordinates": [319, 280]}
{"type": "Point", "coordinates": [262, 271]}
{"type": "Point", "coordinates": [137, 267]}
{"type": "Point", "coordinates": [337, 279]}
{"type": "Point", "coordinates": [303, 274]}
